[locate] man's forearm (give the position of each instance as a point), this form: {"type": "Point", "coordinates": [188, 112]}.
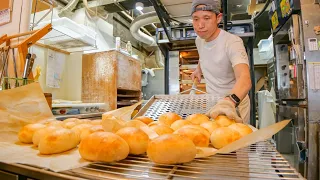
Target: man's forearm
{"type": "Point", "coordinates": [242, 86]}
{"type": "Point", "coordinates": [199, 67]}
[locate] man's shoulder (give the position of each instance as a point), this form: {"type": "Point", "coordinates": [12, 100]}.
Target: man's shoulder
{"type": "Point", "coordinates": [231, 38]}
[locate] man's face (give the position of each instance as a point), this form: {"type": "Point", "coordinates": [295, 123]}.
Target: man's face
{"type": "Point", "coordinates": [205, 23]}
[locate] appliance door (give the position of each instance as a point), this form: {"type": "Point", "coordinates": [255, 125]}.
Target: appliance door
{"type": "Point", "coordinates": [291, 140]}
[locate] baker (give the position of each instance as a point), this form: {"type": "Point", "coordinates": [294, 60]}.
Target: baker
{"type": "Point", "coordinates": [223, 62]}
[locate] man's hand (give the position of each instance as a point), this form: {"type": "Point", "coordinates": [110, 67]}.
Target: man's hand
{"type": "Point", "coordinates": [224, 107]}
{"type": "Point", "coordinates": [196, 75]}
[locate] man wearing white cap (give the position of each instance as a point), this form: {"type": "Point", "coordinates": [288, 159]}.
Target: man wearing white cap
{"type": "Point", "coordinates": [223, 62]}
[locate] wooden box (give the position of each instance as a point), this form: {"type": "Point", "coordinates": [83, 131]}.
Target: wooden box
{"type": "Point", "coordinates": [111, 77]}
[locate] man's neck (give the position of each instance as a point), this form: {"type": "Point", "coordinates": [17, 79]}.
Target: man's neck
{"type": "Point", "coordinates": [214, 35]}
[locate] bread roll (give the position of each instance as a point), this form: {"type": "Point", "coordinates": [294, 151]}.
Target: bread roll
{"type": "Point", "coordinates": [223, 136]}
{"type": "Point", "coordinates": [161, 129]}
{"type": "Point", "coordinates": [242, 129]}
{"type": "Point", "coordinates": [55, 123]}
{"type": "Point", "coordinates": [57, 141]}
{"type": "Point", "coordinates": [112, 123]}
{"type": "Point", "coordinates": [224, 121]}
{"type": "Point", "coordinates": [195, 135]}
{"type": "Point", "coordinates": [103, 146]}
{"type": "Point", "coordinates": [25, 135]}
{"type": "Point", "coordinates": [70, 125]}
{"type": "Point", "coordinates": [144, 119]}
{"type": "Point", "coordinates": [153, 123]}
{"type": "Point", "coordinates": [71, 120]}
{"type": "Point", "coordinates": [136, 139]}
{"type": "Point", "coordinates": [179, 124]}
{"type": "Point", "coordinates": [41, 133]}
{"type": "Point", "coordinates": [84, 121]}
{"type": "Point", "coordinates": [197, 118]}
{"type": "Point", "coordinates": [79, 128]}
{"type": "Point", "coordinates": [169, 118]}
{"type": "Point", "coordinates": [135, 123]}
{"type": "Point", "coordinates": [210, 126]}
{"type": "Point", "coordinates": [96, 122]}
{"type": "Point", "coordinates": [89, 130]}
{"type": "Point", "coordinates": [202, 129]}
{"type": "Point", "coordinates": [171, 149]}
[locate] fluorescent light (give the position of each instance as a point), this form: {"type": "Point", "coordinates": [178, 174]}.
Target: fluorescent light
{"type": "Point", "coordinates": [139, 6]}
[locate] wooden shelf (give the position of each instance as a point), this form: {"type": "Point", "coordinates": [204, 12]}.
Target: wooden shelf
{"type": "Point", "coordinates": [128, 95]}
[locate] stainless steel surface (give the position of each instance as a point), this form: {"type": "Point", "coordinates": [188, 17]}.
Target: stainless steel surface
{"type": "Point", "coordinates": [309, 9]}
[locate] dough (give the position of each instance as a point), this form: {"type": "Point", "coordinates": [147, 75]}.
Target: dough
{"type": "Point", "coordinates": [223, 136]}
{"type": "Point", "coordinates": [169, 118]}
{"type": "Point", "coordinates": [154, 123]}
{"type": "Point", "coordinates": [197, 119]}
{"type": "Point", "coordinates": [171, 149]}
{"type": "Point", "coordinates": [41, 133]}
{"type": "Point", "coordinates": [136, 139]}
{"type": "Point", "coordinates": [242, 129]}
{"type": "Point", "coordinates": [89, 130]}
{"type": "Point", "coordinates": [103, 146]}
{"type": "Point", "coordinates": [25, 135]}
{"type": "Point", "coordinates": [210, 126]}
{"type": "Point", "coordinates": [144, 119]}
{"type": "Point", "coordinates": [179, 124]}
{"type": "Point", "coordinates": [58, 141]}
{"type": "Point", "coordinates": [195, 135]}
{"type": "Point", "coordinates": [161, 129]}
{"type": "Point", "coordinates": [224, 121]}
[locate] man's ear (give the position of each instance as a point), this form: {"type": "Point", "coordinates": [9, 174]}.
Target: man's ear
{"type": "Point", "coordinates": [219, 18]}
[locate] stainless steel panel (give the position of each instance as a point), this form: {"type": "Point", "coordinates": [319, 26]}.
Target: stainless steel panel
{"type": "Point", "coordinates": [174, 84]}
{"type": "Point", "coordinates": [282, 65]}
{"type": "Point", "coordinates": [155, 84]}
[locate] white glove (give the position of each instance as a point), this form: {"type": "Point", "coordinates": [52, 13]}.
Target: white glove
{"type": "Point", "coordinates": [224, 107]}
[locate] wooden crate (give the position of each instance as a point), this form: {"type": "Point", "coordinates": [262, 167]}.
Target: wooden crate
{"type": "Point", "coordinates": [111, 77]}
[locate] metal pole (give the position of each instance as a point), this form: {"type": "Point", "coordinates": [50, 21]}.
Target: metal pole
{"type": "Point", "coordinates": [225, 14]}
{"type": "Point", "coordinates": [166, 71]}
{"type": "Point", "coordinates": [252, 91]}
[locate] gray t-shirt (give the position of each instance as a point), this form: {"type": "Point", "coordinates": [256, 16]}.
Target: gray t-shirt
{"type": "Point", "coordinates": [217, 59]}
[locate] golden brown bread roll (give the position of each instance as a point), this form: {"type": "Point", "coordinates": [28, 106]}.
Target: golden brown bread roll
{"type": "Point", "coordinates": [202, 129]}
{"type": "Point", "coordinates": [169, 118]}
{"type": "Point", "coordinates": [57, 141]}
{"type": "Point", "coordinates": [144, 119]}
{"type": "Point", "coordinates": [55, 123]}
{"type": "Point", "coordinates": [136, 139]}
{"type": "Point", "coordinates": [70, 124]}
{"type": "Point", "coordinates": [26, 133]}
{"type": "Point", "coordinates": [195, 135]}
{"type": "Point", "coordinates": [161, 129]}
{"type": "Point", "coordinates": [103, 146]}
{"type": "Point", "coordinates": [210, 126]}
{"type": "Point", "coordinates": [241, 128]}
{"type": "Point", "coordinates": [96, 122]}
{"type": "Point", "coordinates": [89, 130]}
{"type": "Point", "coordinates": [171, 149]}
{"type": "Point", "coordinates": [71, 120]}
{"type": "Point", "coordinates": [112, 123]}
{"type": "Point", "coordinates": [84, 121]}
{"type": "Point", "coordinates": [135, 123]}
{"type": "Point", "coordinates": [179, 124]}
{"type": "Point", "coordinates": [197, 119]}
{"type": "Point", "coordinates": [41, 133]}
{"type": "Point", "coordinates": [224, 121]}
{"type": "Point", "coordinates": [223, 136]}
{"type": "Point", "coordinates": [154, 123]}
{"type": "Point", "coordinates": [79, 128]}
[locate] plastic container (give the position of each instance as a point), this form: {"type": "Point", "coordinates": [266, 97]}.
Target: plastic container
{"type": "Point", "coordinates": [129, 48]}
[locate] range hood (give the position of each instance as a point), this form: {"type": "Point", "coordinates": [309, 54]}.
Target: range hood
{"type": "Point", "coordinates": [68, 35]}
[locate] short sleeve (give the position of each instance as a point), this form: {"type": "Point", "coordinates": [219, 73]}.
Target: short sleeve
{"type": "Point", "coordinates": [237, 52]}
{"type": "Point", "coordinates": [198, 44]}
